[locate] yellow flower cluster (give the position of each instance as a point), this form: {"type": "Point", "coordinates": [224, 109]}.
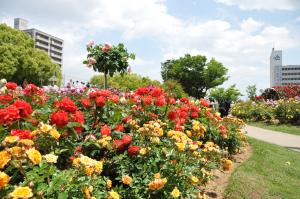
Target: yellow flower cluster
{"type": "Point", "coordinates": [34, 155]}
{"type": "Point", "coordinates": [87, 192]}
{"type": "Point", "coordinates": [198, 129]}
{"type": "Point", "coordinates": [113, 195]}
{"type": "Point", "coordinates": [227, 164]}
{"type": "Point", "coordinates": [211, 147]}
{"type": "Point", "coordinates": [175, 193]}
{"type": "Point", "coordinates": [47, 129]}
{"type": "Point", "coordinates": [153, 128]}
{"type": "Point", "coordinates": [4, 179]}
{"type": "Point", "coordinates": [51, 158]}
{"type": "Point", "coordinates": [234, 120]}
{"type": "Point", "coordinates": [21, 192]}
{"type": "Point", "coordinates": [181, 140]}
{"type": "Point", "coordinates": [157, 183]}
{"type": "Point", "coordinates": [105, 141]}
{"type": "Point", "coordinates": [90, 165]}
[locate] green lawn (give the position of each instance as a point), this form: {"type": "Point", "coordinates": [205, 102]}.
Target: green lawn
{"type": "Point", "coordinates": [285, 128]}
{"type": "Point", "coordinates": [266, 174]}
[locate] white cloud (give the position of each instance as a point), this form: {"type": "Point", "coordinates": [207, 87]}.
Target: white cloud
{"type": "Point", "coordinates": [298, 18]}
{"type": "Point", "coordinates": [245, 49]}
{"type": "Point", "coordinates": [263, 4]}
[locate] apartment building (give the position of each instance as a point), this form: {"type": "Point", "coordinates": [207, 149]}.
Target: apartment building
{"type": "Point", "coordinates": [44, 41]}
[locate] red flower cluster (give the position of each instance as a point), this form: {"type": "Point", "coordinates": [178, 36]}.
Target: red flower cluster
{"type": "Point", "coordinates": [133, 150]}
{"type": "Point", "coordinates": [59, 118]}
{"type": "Point", "coordinates": [288, 91]}
{"type": "Point", "coordinates": [9, 114]}
{"type": "Point", "coordinates": [105, 130]}
{"type": "Point", "coordinates": [78, 117]}
{"type": "Point", "coordinates": [122, 143]}
{"type": "Point", "coordinates": [68, 105]}
{"type": "Point", "coordinates": [11, 86]}
{"type": "Point", "coordinates": [24, 108]}
{"type": "Point", "coordinates": [5, 99]}
{"type": "Point", "coordinates": [86, 103]}
{"type": "Point", "coordinates": [22, 134]}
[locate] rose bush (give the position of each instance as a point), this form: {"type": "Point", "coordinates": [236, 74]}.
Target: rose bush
{"type": "Point", "coordinates": [286, 111]}
{"type": "Point", "coordinates": [100, 144]}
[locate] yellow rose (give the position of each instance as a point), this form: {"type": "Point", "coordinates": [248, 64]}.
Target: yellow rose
{"type": "Point", "coordinates": [227, 164]}
{"type": "Point", "coordinates": [194, 179]}
{"type": "Point", "coordinates": [26, 142]}
{"type": "Point", "coordinates": [89, 171]}
{"type": "Point", "coordinates": [76, 162]}
{"type": "Point", "coordinates": [113, 195]}
{"type": "Point", "coordinates": [155, 140]}
{"type": "Point", "coordinates": [126, 179]}
{"type": "Point", "coordinates": [21, 192]}
{"type": "Point", "coordinates": [193, 147]}
{"type": "Point", "coordinates": [175, 193]}
{"type": "Point", "coordinates": [4, 179]}
{"type": "Point", "coordinates": [108, 184]}
{"type": "Point", "coordinates": [50, 158]}
{"type": "Point", "coordinates": [98, 166]}
{"type": "Point", "coordinates": [34, 155]}
{"type": "Point", "coordinates": [16, 150]}
{"type": "Point", "coordinates": [54, 133]}
{"type": "Point", "coordinates": [11, 139]}
{"type": "Point", "coordinates": [4, 158]}
{"type": "Point", "coordinates": [143, 151]}
{"type": "Point", "coordinates": [180, 146]}
{"type": "Point", "coordinates": [45, 127]}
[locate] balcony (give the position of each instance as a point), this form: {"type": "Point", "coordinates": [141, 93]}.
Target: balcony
{"type": "Point", "coordinates": [56, 43]}
{"type": "Point", "coordinates": [42, 38]}
{"type": "Point", "coordinates": [56, 56]}
{"type": "Point", "coordinates": [56, 49]}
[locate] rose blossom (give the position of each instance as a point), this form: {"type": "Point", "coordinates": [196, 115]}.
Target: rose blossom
{"type": "Point", "coordinates": [91, 61]}
{"type": "Point", "coordinates": [90, 44]}
{"type": "Point", "coordinates": [106, 47]}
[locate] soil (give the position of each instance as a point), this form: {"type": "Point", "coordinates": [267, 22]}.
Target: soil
{"type": "Point", "coordinates": [216, 187]}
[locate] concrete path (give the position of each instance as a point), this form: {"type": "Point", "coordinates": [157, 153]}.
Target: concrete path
{"type": "Point", "coordinates": [283, 139]}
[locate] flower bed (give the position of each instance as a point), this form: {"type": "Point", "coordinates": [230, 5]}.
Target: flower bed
{"type": "Point", "coordinates": [99, 144]}
{"type": "Point", "coordinates": [285, 111]}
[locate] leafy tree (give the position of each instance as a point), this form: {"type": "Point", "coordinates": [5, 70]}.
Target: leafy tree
{"type": "Point", "coordinates": [230, 94]}
{"type": "Point", "coordinates": [108, 59]}
{"type": "Point", "coordinates": [173, 88]}
{"type": "Point", "coordinates": [194, 73]}
{"type": "Point", "coordinates": [251, 91]}
{"type": "Point", "coordinates": [19, 60]}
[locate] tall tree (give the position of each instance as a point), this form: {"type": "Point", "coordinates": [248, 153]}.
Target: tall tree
{"type": "Point", "coordinates": [194, 73]}
{"type": "Point", "coordinates": [251, 91]}
{"type": "Point", "coordinates": [19, 60]}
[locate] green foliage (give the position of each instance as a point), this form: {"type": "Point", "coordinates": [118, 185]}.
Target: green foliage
{"type": "Point", "coordinates": [251, 91]}
{"type": "Point", "coordinates": [194, 73]}
{"type": "Point", "coordinates": [19, 60]}
{"type": "Point", "coordinates": [231, 94]}
{"type": "Point", "coordinates": [124, 82]}
{"type": "Point", "coordinates": [173, 88]}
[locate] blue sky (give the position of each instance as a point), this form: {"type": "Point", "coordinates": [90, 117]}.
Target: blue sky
{"type": "Point", "coordinates": [238, 33]}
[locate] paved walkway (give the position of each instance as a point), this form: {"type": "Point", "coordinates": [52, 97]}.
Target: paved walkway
{"type": "Point", "coordinates": [283, 139]}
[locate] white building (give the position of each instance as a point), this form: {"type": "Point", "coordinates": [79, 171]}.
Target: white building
{"type": "Point", "coordinates": [282, 75]}
{"type": "Point", "coordinates": [44, 41]}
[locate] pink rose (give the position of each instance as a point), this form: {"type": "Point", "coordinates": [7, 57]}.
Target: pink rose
{"type": "Point", "coordinates": [90, 44]}
{"type": "Point", "coordinates": [106, 47]}
{"type": "Point", "coordinates": [91, 61]}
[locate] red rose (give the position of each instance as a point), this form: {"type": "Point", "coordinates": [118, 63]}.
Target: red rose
{"type": "Point", "coordinates": [78, 117]}
{"type": "Point", "coordinates": [184, 100]}
{"type": "Point", "coordinates": [156, 92]}
{"type": "Point", "coordinates": [142, 90]}
{"type": "Point", "coordinates": [195, 109]}
{"type": "Point", "coordinates": [68, 105]}
{"type": "Point", "coordinates": [11, 85]}
{"type": "Point", "coordinates": [182, 114]}
{"type": "Point", "coordinates": [119, 127]}
{"type": "Point", "coordinates": [172, 115]}
{"type": "Point", "coordinates": [147, 100]}
{"type": "Point", "coordinates": [104, 93]}
{"type": "Point", "coordinates": [86, 103]}
{"type": "Point", "coordinates": [31, 89]}
{"type": "Point", "coordinates": [133, 150]}
{"type": "Point", "coordinates": [171, 101]}
{"type": "Point", "coordinates": [114, 98]}
{"type": "Point", "coordinates": [119, 144]}
{"type": "Point", "coordinates": [127, 139]}
{"type": "Point", "coordinates": [5, 99]}
{"type": "Point", "coordinates": [22, 134]}
{"type": "Point", "coordinates": [204, 103]}
{"type": "Point", "coordinates": [59, 118]}
{"type": "Point", "coordinates": [160, 101]}
{"type": "Point", "coordinates": [100, 101]}
{"type": "Point", "coordinates": [93, 95]}
{"type": "Point", "coordinates": [105, 130]}
{"type": "Point", "coordinates": [24, 108]}
{"type": "Point", "coordinates": [9, 114]}
{"type": "Point", "coordinates": [127, 119]}
{"type": "Point", "coordinates": [222, 129]}
{"type": "Point", "coordinates": [194, 115]}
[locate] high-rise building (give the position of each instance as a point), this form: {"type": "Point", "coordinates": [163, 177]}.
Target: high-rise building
{"type": "Point", "coordinates": [44, 41]}
{"type": "Point", "coordinates": [282, 75]}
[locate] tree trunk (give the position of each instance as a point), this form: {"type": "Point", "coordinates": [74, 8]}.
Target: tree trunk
{"type": "Point", "coordinates": [105, 81]}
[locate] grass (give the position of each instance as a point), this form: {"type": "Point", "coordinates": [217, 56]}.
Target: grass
{"type": "Point", "coordinates": [266, 174]}
{"type": "Point", "coordinates": [284, 128]}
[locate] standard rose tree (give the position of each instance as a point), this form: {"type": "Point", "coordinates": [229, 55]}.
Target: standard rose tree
{"type": "Point", "coordinates": [107, 58]}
